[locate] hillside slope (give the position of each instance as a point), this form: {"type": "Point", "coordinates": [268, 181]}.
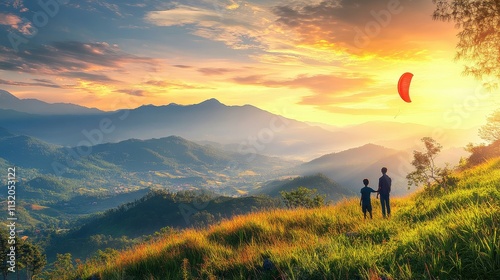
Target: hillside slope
{"type": "Point", "coordinates": [324, 186]}
{"type": "Point", "coordinates": [147, 215]}
{"type": "Point", "coordinates": [434, 234]}
{"type": "Point", "coordinates": [170, 161]}
{"type": "Point", "coordinates": [159, 209]}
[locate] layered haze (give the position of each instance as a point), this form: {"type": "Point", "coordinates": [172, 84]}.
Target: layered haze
{"type": "Point", "coordinates": [244, 129]}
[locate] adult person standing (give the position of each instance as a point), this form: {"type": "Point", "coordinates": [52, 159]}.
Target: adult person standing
{"type": "Point", "coordinates": [384, 189]}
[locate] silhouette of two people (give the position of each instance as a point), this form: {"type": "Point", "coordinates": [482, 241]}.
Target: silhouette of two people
{"type": "Point", "coordinates": [384, 189]}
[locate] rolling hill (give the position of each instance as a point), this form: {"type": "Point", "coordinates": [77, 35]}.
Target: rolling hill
{"type": "Point", "coordinates": [179, 210]}
{"type": "Point", "coordinates": [434, 234]}
{"type": "Point", "coordinates": [156, 210]}
{"type": "Point", "coordinates": [325, 186]}
{"type": "Point", "coordinates": [62, 179]}
{"type": "Point", "coordinates": [25, 151]}
{"type": "Point", "coordinates": [166, 154]}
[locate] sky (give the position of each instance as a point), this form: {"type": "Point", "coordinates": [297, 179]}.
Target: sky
{"type": "Point", "coordinates": [330, 61]}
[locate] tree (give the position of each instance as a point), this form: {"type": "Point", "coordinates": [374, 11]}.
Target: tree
{"type": "Point", "coordinates": [106, 255]}
{"type": "Point", "coordinates": [490, 132]}
{"type": "Point", "coordinates": [203, 219]}
{"type": "Point", "coordinates": [426, 171]}
{"type": "Point", "coordinates": [32, 258]}
{"type": "Point", "coordinates": [4, 249]}
{"type": "Point", "coordinates": [481, 153]}
{"type": "Point", "coordinates": [302, 197]}
{"type": "Point", "coordinates": [479, 37]}
{"type": "Point", "coordinates": [63, 268]}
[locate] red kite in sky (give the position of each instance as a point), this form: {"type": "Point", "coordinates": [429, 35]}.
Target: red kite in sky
{"type": "Point", "coordinates": [404, 86]}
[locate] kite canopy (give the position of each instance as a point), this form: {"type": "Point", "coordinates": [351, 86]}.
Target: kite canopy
{"type": "Point", "coordinates": [404, 86]}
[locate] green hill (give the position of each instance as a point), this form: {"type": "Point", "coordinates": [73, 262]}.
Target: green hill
{"type": "Point", "coordinates": [28, 152]}
{"type": "Point", "coordinates": [159, 154]}
{"type": "Point", "coordinates": [434, 234]}
{"type": "Point", "coordinates": [320, 182]}
{"type": "Point", "coordinates": [53, 173]}
{"type": "Point", "coordinates": [160, 209]}
{"type": "Point", "coordinates": [149, 214]}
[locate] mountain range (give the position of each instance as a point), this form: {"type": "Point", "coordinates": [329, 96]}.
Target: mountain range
{"type": "Point", "coordinates": [223, 141]}
{"type": "Point", "coordinates": [169, 161]}
{"type": "Point", "coordinates": [34, 106]}
{"type": "Point", "coordinates": [246, 129]}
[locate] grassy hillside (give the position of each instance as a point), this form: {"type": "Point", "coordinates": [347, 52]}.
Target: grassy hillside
{"type": "Point", "coordinates": [149, 214]}
{"type": "Point", "coordinates": [160, 208]}
{"type": "Point", "coordinates": [434, 234]}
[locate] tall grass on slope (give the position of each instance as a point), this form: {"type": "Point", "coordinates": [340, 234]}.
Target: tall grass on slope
{"type": "Point", "coordinates": [434, 234]}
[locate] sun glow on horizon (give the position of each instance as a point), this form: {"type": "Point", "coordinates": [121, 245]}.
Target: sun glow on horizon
{"type": "Point", "coordinates": [323, 67]}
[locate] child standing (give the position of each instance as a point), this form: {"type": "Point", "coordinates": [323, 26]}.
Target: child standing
{"type": "Point", "coordinates": [365, 202]}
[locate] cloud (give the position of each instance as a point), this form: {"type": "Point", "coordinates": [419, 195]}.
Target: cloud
{"type": "Point", "coordinates": [359, 26]}
{"type": "Point", "coordinates": [238, 25]}
{"type": "Point", "coordinates": [111, 7]}
{"type": "Point", "coordinates": [37, 83]}
{"type": "Point", "coordinates": [89, 77]}
{"type": "Point", "coordinates": [152, 88]}
{"type": "Point", "coordinates": [296, 32]}
{"type": "Point", "coordinates": [182, 15]}
{"type": "Point", "coordinates": [341, 90]}
{"type": "Point", "coordinates": [215, 71]}
{"type": "Point", "coordinates": [182, 66]}
{"type": "Point", "coordinates": [360, 111]}
{"type": "Point", "coordinates": [18, 4]}
{"type": "Point", "coordinates": [328, 22]}
{"type": "Point", "coordinates": [10, 20]}
{"type": "Point", "coordinates": [16, 23]}
{"type": "Point", "coordinates": [71, 59]}
{"type": "Point", "coordinates": [165, 84]}
{"type": "Point", "coordinates": [133, 92]}
{"type": "Point", "coordinates": [319, 84]}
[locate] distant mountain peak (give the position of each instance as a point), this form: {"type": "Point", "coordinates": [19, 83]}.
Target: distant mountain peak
{"type": "Point", "coordinates": [34, 106]}
{"type": "Point", "coordinates": [7, 96]}
{"type": "Point", "coordinates": [370, 146]}
{"type": "Point", "coordinates": [212, 102]}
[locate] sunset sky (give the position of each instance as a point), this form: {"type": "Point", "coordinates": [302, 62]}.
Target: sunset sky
{"type": "Point", "coordinates": [336, 61]}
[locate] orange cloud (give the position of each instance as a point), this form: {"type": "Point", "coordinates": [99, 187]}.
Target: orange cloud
{"type": "Point", "coordinates": [325, 87]}
{"type": "Point", "coordinates": [16, 23]}
{"type": "Point", "coordinates": [386, 28]}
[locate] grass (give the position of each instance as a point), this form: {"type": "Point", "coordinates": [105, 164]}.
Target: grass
{"type": "Point", "coordinates": [434, 234]}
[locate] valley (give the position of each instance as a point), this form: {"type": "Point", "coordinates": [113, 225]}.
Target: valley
{"type": "Point", "coordinates": [133, 178]}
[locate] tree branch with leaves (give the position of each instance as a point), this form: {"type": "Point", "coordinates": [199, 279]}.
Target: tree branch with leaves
{"type": "Point", "coordinates": [426, 170]}
{"type": "Point", "coordinates": [490, 132]}
{"type": "Point", "coordinates": [479, 37]}
{"type": "Point", "coordinates": [303, 197]}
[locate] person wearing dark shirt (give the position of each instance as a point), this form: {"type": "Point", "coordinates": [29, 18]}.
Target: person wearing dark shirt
{"type": "Point", "coordinates": [365, 202]}
{"type": "Point", "coordinates": [384, 189]}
